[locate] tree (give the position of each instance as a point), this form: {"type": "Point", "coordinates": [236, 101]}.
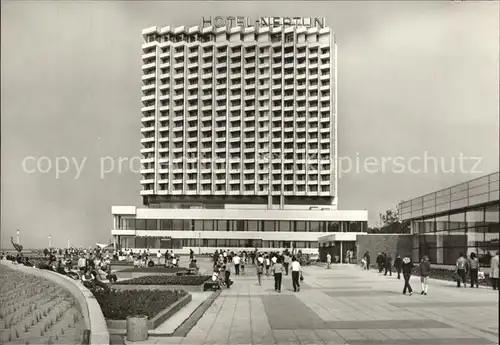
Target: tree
{"type": "Point", "coordinates": [390, 223]}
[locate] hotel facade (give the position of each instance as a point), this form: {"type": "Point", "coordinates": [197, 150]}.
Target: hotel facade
{"type": "Point", "coordinates": [239, 141]}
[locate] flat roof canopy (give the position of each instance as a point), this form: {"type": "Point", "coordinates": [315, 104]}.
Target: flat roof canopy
{"type": "Point", "coordinates": [240, 214]}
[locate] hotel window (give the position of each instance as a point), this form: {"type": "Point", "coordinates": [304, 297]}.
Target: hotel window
{"type": "Point", "coordinates": [284, 226]}
{"type": "Point", "coordinates": [268, 225]}
{"type": "Point", "coordinates": [354, 227]}
{"type": "Point", "coordinates": [179, 224]}
{"type": "Point", "coordinates": [314, 227]}
{"type": "Point", "coordinates": [208, 225]}
{"type": "Point", "coordinates": [140, 224]}
{"type": "Point", "coordinates": [252, 225]}
{"type": "Point", "coordinates": [151, 224]}
{"type": "Point", "coordinates": [300, 226]}
{"type": "Point", "coordinates": [198, 225]}
{"type": "Point", "coordinates": [128, 224]}
{"type": "Point", "coordinates": [333, 227]}
{"type": "Point", "coordinates": [211, 243]}
{"type": "Point", "coordinates": [165, 224]}
{"type": "Point", "coordinates": [222, 225]}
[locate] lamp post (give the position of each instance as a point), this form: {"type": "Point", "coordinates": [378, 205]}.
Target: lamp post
{"type": "Point", "coordinates": [17, 238]}
{"type": "Point", "coordinates": [199, 243]}
{"type": "Point", "coordinates": [50, 241]}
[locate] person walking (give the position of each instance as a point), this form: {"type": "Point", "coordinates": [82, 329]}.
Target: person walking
{"type": "Point", "coordinates": [268, 264]}
{"type": "Point", "coordinates": [398, 264]}
{"type": "Point", "coordinates": [158, 256]}
{"type": "Point", "coordinates": [278, 274]}
{"type": "Point", "coordinates": [388, 265]}
{"type": "Point", "coordinates": [236, 262]}
{"type": "Point", "coordinates": [473, 270]}
{"type": "Point", "coordinates": [367, 259]}
{"type": "Point", "coordinates": [328, 260]}
{"type": "Point", "coordinates": [461, 269]}
{"type": "Point", "coordinates": [495, 268]}
{"type": "Point", "coordinates": [286, 262]}
{"type": "Point", "coordinates": [380, 262]}
{"type": "Point", "coordinates": [296, 273]}
{"type": "Point", "coordinates": [260, 270]}
{"type": "Point", "coordinates": [227, 274]}
{"type": "Point", "coordinates": [425, 271]}
{"type": "Point", "coordinates": [407, 267]}
{"type": "Point", "coordinates": [242, 265]}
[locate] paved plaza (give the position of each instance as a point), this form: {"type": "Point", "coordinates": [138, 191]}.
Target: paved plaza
{"type": "Point", "coordinates": [345, 305]}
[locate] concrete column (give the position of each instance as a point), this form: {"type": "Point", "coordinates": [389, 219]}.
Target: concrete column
{"type": "Point", "coordinates": [341, 253]}
{"type": "Point", "coordinates": [439, 251]}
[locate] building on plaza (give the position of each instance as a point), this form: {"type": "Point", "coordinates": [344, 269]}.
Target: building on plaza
{"type": "Point", "coordinates": [459, 219]}
{"type": "Point", "coordinates": [239, 140]}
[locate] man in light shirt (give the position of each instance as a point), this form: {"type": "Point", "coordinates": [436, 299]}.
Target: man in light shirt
{"type": "Point", "coordinates": [328, 260]}
{"type": "Point", "coordinates": [236, 262]}
{"type": "Point", "coordinates": [158, 256]}
{"type": "Point", "coordinates": [296, 273]}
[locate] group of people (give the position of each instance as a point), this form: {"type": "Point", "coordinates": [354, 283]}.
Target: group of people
{"type": "Point", "coordinates": [465, 268]}
{"type": "Point", "coordinates": [275, 263]}
{"type": "Point", "coordinates": [93, 267]}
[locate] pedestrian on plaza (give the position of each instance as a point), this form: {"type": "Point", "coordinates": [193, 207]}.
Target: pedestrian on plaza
{"type": "Point", "coordinates": [495, 268]}
{"type": "Point", "coordinates": [227, 274]}
{"type": "Point", "coordinates": [474, 270]}
{"type": "Point", "coordinates": [461, 270]}
{"type": "Point", "coordinates": [278, 274]}
{"type": "Point", "coordinates": [236, 262]}
{"type": "Point", "coordinates": [158, 256]}
{"type": "Point", "coordinates": [296, 274]}
{"type": "Point", "coordinates": [367, 260]}
{"type": "Point", "coordinates": [425, 271]}
{"type": "Point", "coordinates": [398, 264]}
{"type": "Point", "coordinates": [260, 270]}
{"type": "Point", "coordinates": [407, 268]}
{"type": "Point", "coordinates": [267, 263]}
{"type": "Point", "coordinates": [388, 265]}
{"type": "Point", "coordinates": [328, 260]}
{"type": "Point", "coordinates": [242, 264]}
{"type": "Point", "coordinates": [286, 261]}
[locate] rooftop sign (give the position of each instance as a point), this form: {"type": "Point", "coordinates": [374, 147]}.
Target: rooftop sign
{"type": "Point", "coordinates": [271, 22]}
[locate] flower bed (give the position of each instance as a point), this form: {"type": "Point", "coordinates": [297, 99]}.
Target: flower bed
{"type": "Point", "coordinates": [157, 269]}
{"type": "Point", "coordinates": [157, 305]}
{"type": "Point", "coordinates": [117, 305]}
{"type": "Point", "coordinates": [448, 275]}
{"type": "Point", "coordinates": [166, 280]}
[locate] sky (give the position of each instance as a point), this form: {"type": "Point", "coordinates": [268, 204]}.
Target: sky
{"type": "Point", "coordinates": [417, 81]}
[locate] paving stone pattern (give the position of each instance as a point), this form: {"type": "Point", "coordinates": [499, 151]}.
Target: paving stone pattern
{"type": "Point", "coordinates": [344, 305]}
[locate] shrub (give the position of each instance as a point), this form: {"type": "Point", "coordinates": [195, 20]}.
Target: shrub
{"type": "Point", "coordinates": [118, 305]}
{"type": "Point", "coordinates": [167, 280]}
{"type": "Point", "coordinates": [157, 269]}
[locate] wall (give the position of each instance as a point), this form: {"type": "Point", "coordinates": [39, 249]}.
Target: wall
{"type": "Point", "coordinates": [94, 319]}
{"type": "Point", "coordinates": [388, 243]}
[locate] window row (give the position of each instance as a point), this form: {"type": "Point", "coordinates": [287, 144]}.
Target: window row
{"type": "Point", "coordinates": [240, 225]}
{"type": "Point", "coordinates": [460, 220]}
{"type": "Point", "coordinates": [174, 243]}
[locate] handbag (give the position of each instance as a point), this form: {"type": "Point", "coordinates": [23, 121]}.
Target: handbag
{"type": "Point", "coordinates": [301, 277]}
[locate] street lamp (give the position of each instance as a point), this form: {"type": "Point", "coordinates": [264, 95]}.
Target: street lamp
{"type": "Point", "coordinates": [199, 243]}
{"type": "Point", "coordinates": [17, 238]}
{"type": "Point", "coordinates": [50, 241]}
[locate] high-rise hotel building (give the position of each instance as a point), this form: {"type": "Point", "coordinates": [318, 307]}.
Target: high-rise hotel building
{"type": "Point", "coordinates": [239, 140]}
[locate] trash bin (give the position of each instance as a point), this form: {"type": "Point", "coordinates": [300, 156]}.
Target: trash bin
{"type": "Point", "coordinates": [137, 328]}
